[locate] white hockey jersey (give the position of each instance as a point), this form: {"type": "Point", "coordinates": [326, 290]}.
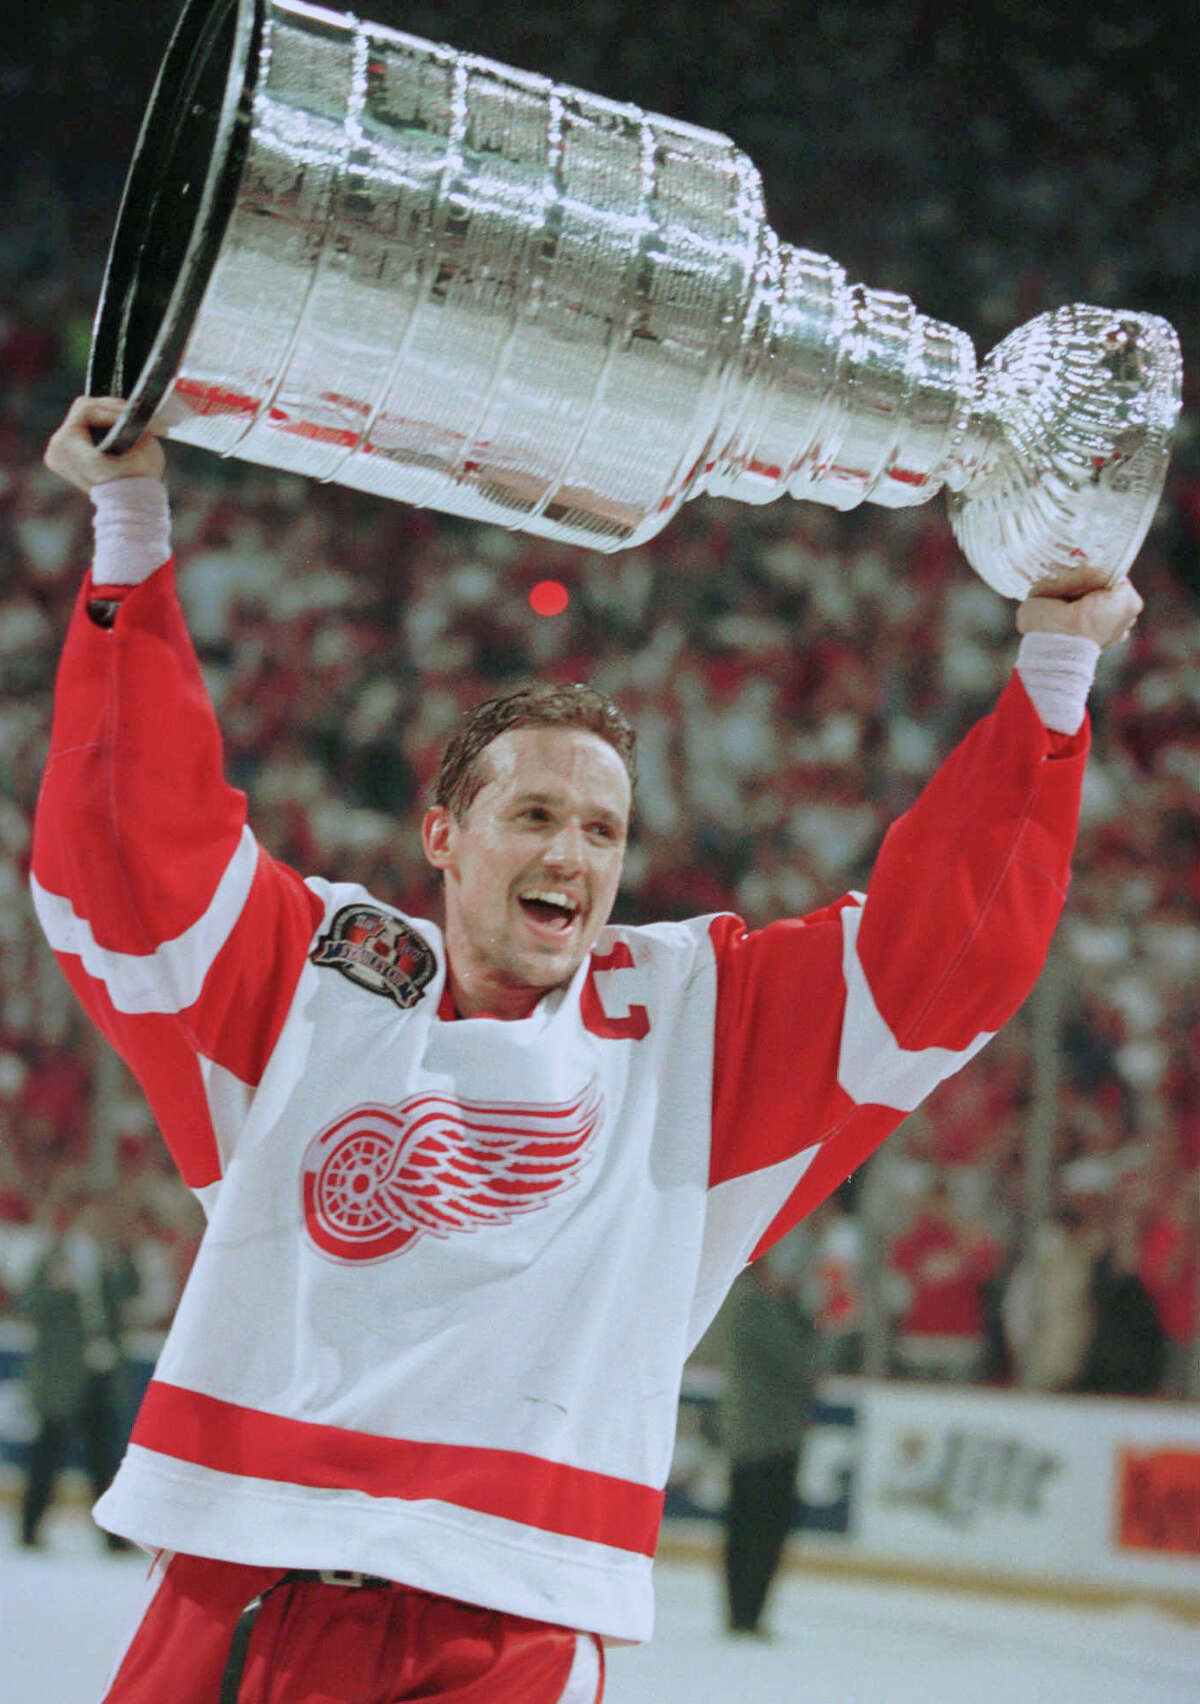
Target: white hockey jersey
{"type": "Point", "coordinates": [452, 1268]}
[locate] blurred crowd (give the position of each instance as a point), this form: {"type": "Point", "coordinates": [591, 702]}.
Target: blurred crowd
{"type": "Point", "coordinates": [794, 674]}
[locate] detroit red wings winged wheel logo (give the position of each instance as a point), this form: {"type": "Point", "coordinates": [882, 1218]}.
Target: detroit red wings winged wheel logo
{"type": "Point", "coordinates": [379, 1177]}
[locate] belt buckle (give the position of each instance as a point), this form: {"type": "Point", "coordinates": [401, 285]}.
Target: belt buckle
{"type": "Point", "coordinates": [341, 1577]}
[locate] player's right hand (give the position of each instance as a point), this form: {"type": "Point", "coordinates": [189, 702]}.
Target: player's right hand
{"type": "Point", "coordinates": [72, 453]}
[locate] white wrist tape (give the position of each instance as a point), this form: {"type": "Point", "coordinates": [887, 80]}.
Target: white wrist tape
{"type": "Point", "coordinates": [132, 525]}
{"type": "Point", "coordinates": [1057, 670]}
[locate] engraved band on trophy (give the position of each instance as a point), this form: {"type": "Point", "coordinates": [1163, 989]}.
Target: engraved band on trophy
{"type": "Point", "coordinates": [356, 255]}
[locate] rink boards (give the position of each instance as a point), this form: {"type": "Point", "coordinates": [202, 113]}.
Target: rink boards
{"type": "Point", "coordinates": [1072, 1496]}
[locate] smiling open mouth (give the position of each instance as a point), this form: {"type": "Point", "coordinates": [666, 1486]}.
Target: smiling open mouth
{"type": "Point", "coordinates": [550, 910]}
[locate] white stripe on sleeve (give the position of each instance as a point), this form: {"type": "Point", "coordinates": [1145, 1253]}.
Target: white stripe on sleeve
{"type": "Point", "coordinates": [228, 1103]}
{"type": "Point", "coordinates": [170, 978]}
{"type": "Point", "coordinates": [738, 1213]}
{"type": "Point", "coordinates": [872, 1066]}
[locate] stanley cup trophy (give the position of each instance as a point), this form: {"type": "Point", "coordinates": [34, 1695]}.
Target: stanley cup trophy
{"type": "Point", "coordinates": [352, 254]}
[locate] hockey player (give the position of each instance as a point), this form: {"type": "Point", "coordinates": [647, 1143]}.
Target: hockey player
{"type": "Point", "coordinates": [473, 1192]}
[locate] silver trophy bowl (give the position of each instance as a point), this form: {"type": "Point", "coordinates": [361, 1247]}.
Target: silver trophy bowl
{"type": "Point", "coordinates": [356, 255]}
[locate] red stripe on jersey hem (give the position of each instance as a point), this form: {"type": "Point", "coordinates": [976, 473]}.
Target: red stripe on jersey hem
{"type": "Point", "coordinates": [552, 1496]}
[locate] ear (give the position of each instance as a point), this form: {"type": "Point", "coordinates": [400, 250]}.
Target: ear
{"type": "Point", "coordinates": [438, 836]}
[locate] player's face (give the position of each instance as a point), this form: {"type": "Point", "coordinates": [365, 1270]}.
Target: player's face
{"type": "Point", "coordinates": [531, 869]}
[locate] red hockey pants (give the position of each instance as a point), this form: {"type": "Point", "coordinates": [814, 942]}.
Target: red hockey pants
{"type": "Point", "coordinates": [319, 1643]}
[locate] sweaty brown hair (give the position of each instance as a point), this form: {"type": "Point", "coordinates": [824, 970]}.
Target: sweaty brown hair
{"type": "Point", "coordinates": [539, 705]}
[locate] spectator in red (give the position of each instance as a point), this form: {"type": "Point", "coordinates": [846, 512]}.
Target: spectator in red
{"type": "Point", "coordinates": [1169, 1267]}
{"type": "Point", "coordinates": [945, 1261]}
{"type": "Point", "coordinates": [55, 1099]}
{"type": "Point", "coordinates": [838, 1280]}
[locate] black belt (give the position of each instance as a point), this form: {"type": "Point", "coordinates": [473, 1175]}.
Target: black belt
{"type": "Point", "coordinates": [231, 1680]}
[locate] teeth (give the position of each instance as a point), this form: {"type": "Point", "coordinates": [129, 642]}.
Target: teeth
{"type": "Point", "coordinates": [553, 896]}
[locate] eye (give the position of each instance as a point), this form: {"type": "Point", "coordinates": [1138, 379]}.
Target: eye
{"type": "Point", "coordinates": [603, 831]}
{"type": "Point", "coordinates": [535, 813]}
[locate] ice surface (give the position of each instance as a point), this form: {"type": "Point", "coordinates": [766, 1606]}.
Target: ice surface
{"type": "Point", "coordinates": [857, 1642]}
{"type": "Point", "coordinates": [65, 1611]}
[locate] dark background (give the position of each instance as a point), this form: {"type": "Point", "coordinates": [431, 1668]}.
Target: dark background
{"type": "Point", "coordinates": [989, 160]}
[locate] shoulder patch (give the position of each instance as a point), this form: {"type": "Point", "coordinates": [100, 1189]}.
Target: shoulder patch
{"type": "Point", "coordinates": [379, 952]}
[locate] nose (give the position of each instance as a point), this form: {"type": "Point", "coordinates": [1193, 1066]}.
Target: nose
{"type": "Point", "coordinates": [564, 851]}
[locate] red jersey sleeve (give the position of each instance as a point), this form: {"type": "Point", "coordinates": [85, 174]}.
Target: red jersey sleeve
{"type": "Point", "coordinates": [183, 940]}
{"type": "Point", "coordinates": [829, 1030]}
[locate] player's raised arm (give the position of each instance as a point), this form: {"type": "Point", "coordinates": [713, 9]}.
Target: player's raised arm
{"type": "Point", "coordinates": [146, 879]}
{"type": "Point", "coordinates": [950, 939]}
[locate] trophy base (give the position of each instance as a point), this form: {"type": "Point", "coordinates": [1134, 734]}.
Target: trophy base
{"type": "Point", "coordinates": [1054, 487]}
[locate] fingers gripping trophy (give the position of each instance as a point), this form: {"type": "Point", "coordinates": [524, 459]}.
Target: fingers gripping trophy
{"type": "Point", "coordinates": [352, 254]}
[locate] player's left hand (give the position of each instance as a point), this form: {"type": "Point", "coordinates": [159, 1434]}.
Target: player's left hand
{"type": "Point", "coordinates": [1106, 614]}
